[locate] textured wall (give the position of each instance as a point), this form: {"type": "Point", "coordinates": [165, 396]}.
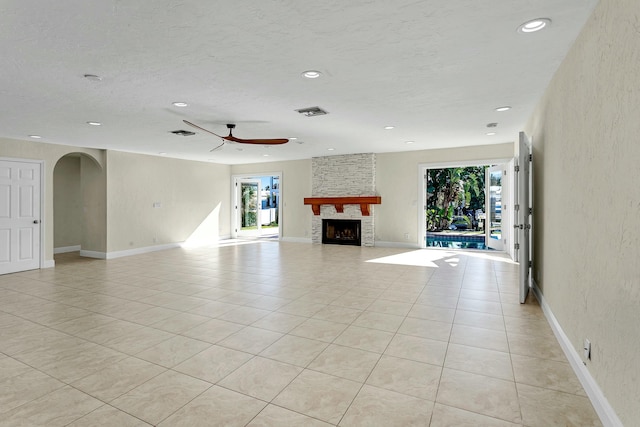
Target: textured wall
{"type": "Point", "coordinates": [67, 203]}
{"type": "Point", "coordinates": [347, 175]}
{"type": "Point", "coordinates": [192, 195]}
{"type": "Point", "coordinates": [587, 231]}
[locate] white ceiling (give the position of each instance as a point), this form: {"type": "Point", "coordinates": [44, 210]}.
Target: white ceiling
{"type": "Point", "coordinates": [436, 70]}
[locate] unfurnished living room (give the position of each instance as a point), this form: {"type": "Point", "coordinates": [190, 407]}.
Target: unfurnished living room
{"type": "Point", "coordinates": [289, 213]}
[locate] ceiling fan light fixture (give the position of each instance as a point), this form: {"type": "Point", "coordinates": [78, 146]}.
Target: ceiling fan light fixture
{"type": "Point", "coordinates": [534, 25]}
{"type": "Point", "coordinates": [311, 74]}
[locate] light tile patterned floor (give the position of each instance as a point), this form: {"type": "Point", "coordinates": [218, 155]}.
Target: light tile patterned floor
{"type": "Point", "coordinates": [263, 333]}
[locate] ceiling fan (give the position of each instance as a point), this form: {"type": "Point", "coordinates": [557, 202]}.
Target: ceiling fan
{"type": "Point", "coordinates": [231, 138]}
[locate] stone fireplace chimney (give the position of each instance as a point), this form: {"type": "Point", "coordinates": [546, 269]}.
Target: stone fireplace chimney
{"type": "Point", "coordinates": [344, 176]}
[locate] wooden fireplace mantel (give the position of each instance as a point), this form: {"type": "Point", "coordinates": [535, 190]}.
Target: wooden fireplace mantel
{"type": "Point", "coordinates": [339, 202]}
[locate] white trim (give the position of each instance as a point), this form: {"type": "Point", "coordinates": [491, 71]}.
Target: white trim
{"type": "Point", "coordinates": [93, 254]}
{"type": "Point", "coordinates": [598, 400]}
{"type": "Point", "coordinates": [143, 250]}
{"type": "Point", "coordinates": [48, 263]}
{"type": "Point", "coordinates": [65, 249]}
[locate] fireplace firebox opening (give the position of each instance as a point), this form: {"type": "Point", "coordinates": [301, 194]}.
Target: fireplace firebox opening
{"type": "Point", "coordinates": [341, 232]}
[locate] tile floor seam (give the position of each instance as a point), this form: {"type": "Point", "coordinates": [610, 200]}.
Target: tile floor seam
{"type": "Point", "coordinates": [457, 286]}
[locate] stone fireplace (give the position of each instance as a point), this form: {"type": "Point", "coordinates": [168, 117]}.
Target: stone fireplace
{"type": "Point", "coordinates": [351, 175]}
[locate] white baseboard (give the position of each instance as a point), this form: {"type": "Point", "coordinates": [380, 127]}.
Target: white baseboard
{"type": "Point", "coordinates": [93, 254]}
{"type": "Point", "coordinates": [600, 403]}
{"type": "Point", "coordinates": [65, 249]}
{"type": "Point", "coordinates": [144, 250]}
{"type": "Point", "coordinates": [408, 245]}
{"type": "Point", "coordinates": [49, 263]}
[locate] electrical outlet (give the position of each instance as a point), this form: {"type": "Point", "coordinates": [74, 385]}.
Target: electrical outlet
{"type": "Point", "coordinates": [587, 349]}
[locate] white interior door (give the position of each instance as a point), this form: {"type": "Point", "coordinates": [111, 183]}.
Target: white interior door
{"type": "Point", "coordinates": [493, 202]}
{"type": "Point", "coordinates": [523, 211]}
{"type": "Point", "coordinates": [19, 216]}
{"type": "Point", "coordinates": [248, 207]}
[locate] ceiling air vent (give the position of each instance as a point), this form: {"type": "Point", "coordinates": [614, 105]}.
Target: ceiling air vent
{"type": "Point", "coordinates": [182, 132]}
{"type": "Point", "coordinates": [312, 111]}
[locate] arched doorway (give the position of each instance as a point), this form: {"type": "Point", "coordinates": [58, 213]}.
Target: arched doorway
{"type": "Point", "coordinates": [79, 216]}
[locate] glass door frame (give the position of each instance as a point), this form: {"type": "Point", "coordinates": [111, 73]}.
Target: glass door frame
{"type": "Point", "coordinates": [240, 203]}
{"type": "Point", "coordinates": [493, 214]}
{"type": "Point", "coordinates": [234, 201]}
{"type": "Point", "coordinates": [422, 194]}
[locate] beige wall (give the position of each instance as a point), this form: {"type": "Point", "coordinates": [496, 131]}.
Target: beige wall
{"type": "Point", "coordinates": [587, 231]}
{"type": "Point", "coordinates": [49, 154]}
{"type": "Point", "coordinates": [93, 185]}
{"type": "Point", "coordinates": [67, 203]}
{"type": "Point", "coordinates": [397, 182]}
{"type": "Point", "coordinates": [295, 185]}
{"type": "Point", "coordinates": [193, 196]}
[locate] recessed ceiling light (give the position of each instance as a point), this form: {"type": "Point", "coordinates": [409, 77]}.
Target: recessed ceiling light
{"type": "Point", "coordinates": [389, 127]}
{"type": "Point", "coordinates": [162, 153]}
{"type": "Point", "coordinates": [94, 123]}
{"type": "Point", "coordinates": [311, 74]}
{"type": "Point", "coordinates": [265, 155]}
{"type": "Point", "coordinates": [293, 138]}
{"type": "Point", "coordinates": [409, 142]}
{"type": "Point", "coordinates": [505, 108]}
{"type": "Point", "coordinates": [534, 25]}
{"type": "Point", "coordinates": [35, 136]}
{"type": "Point", "coordinates": [180, 104]}
{"type": "Point", "coordinates": [330, 149]}
{"type": "Point", "coordinates": [491, 133]}
{"type": "Point", "coordinates": [93, 77]}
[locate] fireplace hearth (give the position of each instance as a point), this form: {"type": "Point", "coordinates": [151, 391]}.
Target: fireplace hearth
{"type": "Point", "coordinates": [341, 232]}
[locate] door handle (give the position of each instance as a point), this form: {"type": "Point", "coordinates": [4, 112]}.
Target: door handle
{"type": "Point", "coordinates": [36, 221]}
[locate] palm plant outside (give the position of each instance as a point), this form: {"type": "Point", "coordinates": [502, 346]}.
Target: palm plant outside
{"type": "Point", "coordinates": [454, 192]}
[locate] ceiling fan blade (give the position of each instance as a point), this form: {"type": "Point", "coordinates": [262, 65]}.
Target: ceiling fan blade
{"type": "Point", "coordinates": [231, 138]}
{"type": "Point", "coordinates": [219, 146]}
{"type": "Point", "coordinates": [203, 129]}
{"type": "Point", "coordinates": [275, 141]}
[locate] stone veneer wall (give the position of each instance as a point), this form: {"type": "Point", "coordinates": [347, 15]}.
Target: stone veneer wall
{"type": "Point", "coordinates": [347, 175]}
